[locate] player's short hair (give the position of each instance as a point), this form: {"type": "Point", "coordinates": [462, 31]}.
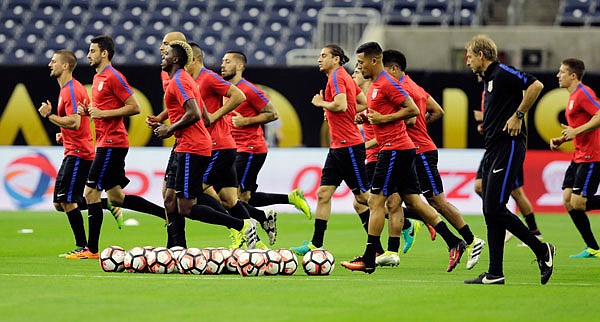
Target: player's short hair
{"type": "Point", "coordinates": [339, 52]}
{"type": "Point", "coordinates": [240, 56]}
{"type": "Point", "coordinates": [484, 44]}
{"type": "Point", "coordinates": [105, 42]}
{"type": "Point", "coordinates": [575, 66]}
{"type": "Point", "coordinates": [393, 57]}
{"type": "Point", "coordinates": [370, 49]}
{"type": "Point", "coordinates": [68, 57]}
{"type": "Point", "coordinates": [197, 51]}
{"type": "Point", "coordinates": [183, 51]}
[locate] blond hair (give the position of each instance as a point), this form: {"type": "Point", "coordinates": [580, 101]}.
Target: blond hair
{"type": "Point", "coordinates": [484, 44]}
{"type": "Point", "coordinates": [189, 53]}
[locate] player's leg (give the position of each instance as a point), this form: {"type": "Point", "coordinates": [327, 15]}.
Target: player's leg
{"type": "Point", "coordinates": [395, 227]}
{"type": "Point", "coordinates": [585, 183]}
{"type": "Point", "coordinates": [524, 204]}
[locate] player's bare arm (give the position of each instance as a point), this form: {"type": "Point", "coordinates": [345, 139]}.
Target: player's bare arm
{"type": "Point", "coordinates": [513, 125]}
{"type": "Point", "coordinates": [70, 122]}
{"type": "Point", "coordinates": [235, 98]}
{"type": "Point", "coordinates": [361, 102]}
{"type": "Point", "coordinates": [131, 107]}
{"type": "Point", "coordinates": [191, 116]}
{"type": "Point", "coordinates": [556, 142]}
{"type": "Point", "coordinates": [409, 110]}
{"type": "Point", "coordinates": [434, 111]}
{"type": "Point", "coordinates": [339, 104]}
{"type": "Point", "coordinates": [371, 144]}
{"type": "Point", "coordinates": [154, 121]}
{"type": "Point", "coordinates": [570, 133]}
{"type": "Point", "coordinates": [267, 114]}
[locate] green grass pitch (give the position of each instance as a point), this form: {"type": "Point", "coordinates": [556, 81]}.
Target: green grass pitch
{"type": "Point", "coordinates": [36, 285]}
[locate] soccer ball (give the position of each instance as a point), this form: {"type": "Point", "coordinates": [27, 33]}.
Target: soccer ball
{"type": "Point", "coordinates": [318, 262]}
{"type": "Point", "coordinates": [192, 262]}
{"type": "Point", "coordinates": [111, 259]}
{"type": "Point", "coordinates": [135, 260]}
{"type": "Point", "coordinates": [273, 262]}
{"type": "Point", "coordinates": [289, 262]}
{"type": "Point", "coordinates": [252, 263]}
{"type": "Point", "coordinates": [215, 261]}
{"type": "Point", "coordinates": [177, 251]}
{"type": "Point", "coordinates": [161, 260]}
{"type": "Point", "coordinates": [231, 260]}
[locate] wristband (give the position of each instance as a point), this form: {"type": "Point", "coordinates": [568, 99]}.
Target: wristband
{"type": "Point", "coordinates": [520, 115]}
{"type": "Point", "coordinates": [48, 115]}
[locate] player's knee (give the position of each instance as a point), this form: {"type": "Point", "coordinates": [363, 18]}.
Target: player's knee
{"type": "Point", "coordinates": [324, 195]}
{"type": "Point", "coordinates": [578, 202]}
{"type": "Point", "coordinates": [184, 209]}
{"type": "Point", "coordinates": [170, 202]}
{"type": "Point", "coordinates": [245, 196]}
{"type": "Point", "coordinates": [477, 187]}
{"type": "Point", "coordinates": [58, 206]}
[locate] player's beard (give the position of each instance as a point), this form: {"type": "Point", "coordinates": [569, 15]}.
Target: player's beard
{"type": "Point", "coordinates": [53, 74]}
{"type": "Point", "coordinates": [228, 77]}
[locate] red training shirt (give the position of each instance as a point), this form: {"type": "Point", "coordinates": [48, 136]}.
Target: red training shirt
{"type": "Point", "coordinates": [583, 104]}
{"type": "Point", "coordinates": [418, 132]}
{"type": "Point", "coordinates": [78, 142]}
{"type": "Point", "coordinates": [342, 129]}
{"type": "Point", "coordinates": [251, 138]}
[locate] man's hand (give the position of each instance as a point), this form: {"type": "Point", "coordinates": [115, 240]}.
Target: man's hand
{"type": "Point", "coordinates": [375, 117]}
{"type": "Point", "coordinates": [96, 113]}
{"type": "Point", "coordinates": [82, 108]}
{"type": "Point", "coordinates": [318, 99]}
{"type": "Point", "coordinates": [556, 142]}
{"type": "Point", "coordinates": [162, 131]}
{"type": "Point", "coordinates": [59, 139]}
{"type": "Point", "coordinates": [238, 120]}
{"type": "Point", "coordinates": [45, 108]}
{"type": "Point", "coordinates": [568, 132]}
{"type": "Point", "coordinates": [360, 118]}
{"type": "Point", "coordinates": [513, 125]}
{"type": "Point", "coordinates": [152, 121]}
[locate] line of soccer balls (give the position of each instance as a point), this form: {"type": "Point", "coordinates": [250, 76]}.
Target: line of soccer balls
{"type": "Point", "coordinates": [255, 262]}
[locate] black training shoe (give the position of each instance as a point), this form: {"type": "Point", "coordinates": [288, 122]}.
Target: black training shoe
{"type": "Point", "coordinates": [486, 278]}
{"type": "Point", "coordinates": [546, 264]}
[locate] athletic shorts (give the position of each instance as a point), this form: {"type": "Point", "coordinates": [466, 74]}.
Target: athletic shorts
{"type": "Point", "coordinates": [519, 182]}
{"type": "Point", "coordinates": [221, 170]}
{"type": "Point", "coordinates": [171, 171]}
{"type": "Point", "coordinates": [348, 165]}
{"type": "Point", "coordinates": [108, 169]}
{"type": "Point", "coordinates": [395, 172]}
{"type": "Point", "coordinates": [247, 167]}
{"type": "Point", "coordinates": [188, 178]}
{"type": "Point", "coordinates": [429, 176]}
{"type": "Point", "coordinates": [370, 170]}
{"type": "Point", "coordinates": [71, 178]}
{"type": "Point", "coordinates": [583, 178]}
{"type": "Point", "coordinates": [500, 168]}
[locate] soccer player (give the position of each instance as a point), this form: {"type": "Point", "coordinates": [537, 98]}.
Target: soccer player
{"type": "Point", "coordinates": [388, 105]}
{"type": "Point", "coordinates": [248, 134]}
{"type": "Point", "coordinates": [583, 174]}
{"type": "Point", "coordinates": [504, 139]}
{"type": "Point", "coordinates": [221, 174]}
{"type": "Point", "coordinates": [426, 160]}
{"type": "Point", "coordinates": [193, 148]}
{"type": "Point", "coordinates": [346, 157]}
{"type": "Point", "coordinates": [112, 100]}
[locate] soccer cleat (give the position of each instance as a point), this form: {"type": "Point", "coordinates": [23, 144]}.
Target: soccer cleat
{"type": "Point", "coordinates": [296, 198]}
{"type": "Point", "coordinates": [409, 235]}
{"type": "Point", "coordinates": [547, 264]}
{"type": "Point", "coordinates": [538, 236]}
{"type": "Point", "coordinates": [83, 254]}
{"type": "Point", "coordinates": [249, 231]}
{"type": "Point", "coordinates": [388, 258]}
{"type": "Point", "coordinates": [76, 250]}
{"type": "Point", "coordinates": [237, 238]}
{"type": "Point", "coordinates": [456, 253]}
{"type": "Point", "coordinates": [260, 245]}
{"type": "Point", "coordinates": [432, 232]}
{"type": "Point", "coordinates": [486, 278]}
{"type": "Point", "coordinates": [508, 236]}
{"type": "Point", "coordinates": [305, 248]}
{"type": "Point", "coordinates": [117, 213]}
{"type": "Point", "coordinates": [357, 264]}
{"type": "Point", "coordinates": [475, 250]}
{"type": "Point", "coordinates": [587, 253]}
{"type": "Point", "coordinates": [270, 226]}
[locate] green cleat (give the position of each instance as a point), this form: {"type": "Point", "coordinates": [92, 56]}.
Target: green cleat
{"type": "Point", "coordinates": [587, 253]}
{"type": "Point", "coordinates": [117, 213]}
{"type": "Point", "coordinates": [305, 248]}
{"type": "Point", "coordinates": [297, 199]}
{"type": "Point", "coordinates": [409, 235]}
{"type": "Point", "coordinates": [76, 250]}
{"type": "Point", "coordinates": [260, 245]}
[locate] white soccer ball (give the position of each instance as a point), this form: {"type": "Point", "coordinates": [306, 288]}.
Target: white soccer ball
{"type": "Point", "coordinates": [177, 251]}
{"type": "Point", "coordinates": [289, 262]}
{"type": "Point", "coordinates": [192, 261]}
{"type": "Point", "coordinates": [252, 263]}
{"type": "Point", "coordinates": [215, 261]}
{"type": "Point", "coordinates": [231, 260]}
{"type": "Point", "coordinates": [318, 262]}
{"type": "Point", "coordinates": [135, 260]}
{"type": "Point", "coordinates": [273, 262]}
{"type": "Point", "coordinates": [161, 261]}
{"type": "Point", "coordinates": [111, 259]}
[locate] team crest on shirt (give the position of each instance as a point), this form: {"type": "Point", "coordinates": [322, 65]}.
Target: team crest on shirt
{"type": "Point", "coordinates": [100, 85]}
{"type": "Point", "coordinates": [490, 86]}
{"type": "Point", "coordinates": [374, 94]}
{"type": "Point", "coordinates": [571, 103]}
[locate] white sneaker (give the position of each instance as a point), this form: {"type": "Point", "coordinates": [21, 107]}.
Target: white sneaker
{"type": "Point", "coordinates": [508, 236]}
{"type": "Point", "coordinates": [475, 250]}
{"type": "Point", "coordinates": [387, 259]}
{"type": "Point", "coordinates": [270, 226]}
{"type": "Point", "coordinates": [249, 231]}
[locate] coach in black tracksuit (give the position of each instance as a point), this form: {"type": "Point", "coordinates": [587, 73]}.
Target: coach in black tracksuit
{"type": "Point", "coordinates": [505, 106]}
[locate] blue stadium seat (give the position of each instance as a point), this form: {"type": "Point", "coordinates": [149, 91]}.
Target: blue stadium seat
{"type": "Point", "coordinates": [41, 21]}
{"type": "Point", "coordinates": [112, 4]}
{"type": "Point", "coordinates": [144, 54]}
{"type": "Point", "coordinates": [316, 4]}
{"type": "Point", "coordinates": [105, 15]}
{"type": "Point", "coordinates": [472, 5]}
{"type": "Point", "coordinates": [91, 30]}
{"type": "Point", "coordinates": [443, 5]}
{"type": "Point", "coordinates": [373, 4]}
{"type": "Point", "coordinates": [128, 23]}
{"type": "Point", "coordinates": [342, 3]}
{"type": "Point", "coordinates": [209, 38]}
{"type": "Point", "coordinates": [229, 5]}
{"type": "Point", "coordinates": [150, 38]}
{"type": "Point", "coordinates": [432, 17]}
{"type": "Point", "coordinates": [70, 21]}
{"type": "Point", "coordinates": [583, 5]}
{"type": "Point", "coordinates": [158, 22]}
{"type": "Point", "coordinates": [22, 53]}
{"type": "Point", "coordinates": [196, 7]}
{"type": "Point", "coordinates": [248, 24]}
{"type": "Point", "coordinates": [594, 19]}
{"type": "Point", "coordinates": [573, 18]}
{"type": "Point", "coordinates": [18, 8]}
{"type": "Point", "coordinates": [9, 25]}
{"type": "Point", "coordinates": [135, 8]}
{"type": "Point", "coordinates": [77, 7]}
{"type": "Point", "coordinates": [285, 4]}
{"type": "Point", "coordinates": [259, 5]}
{"type": "Point", "coordinates": [269, 41]}
{"type": "Point", "coordinates": [218, 24]}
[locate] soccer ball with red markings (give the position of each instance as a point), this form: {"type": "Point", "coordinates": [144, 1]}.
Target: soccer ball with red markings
{"type": "Point", "coordinates": [161, 261]}
{"type": "Point", "coordinates": [252, 263]}
{"type": "Point", "coordinates": [135, 260]}
{"type": "Point", "coordinates": [215, 261]}
{"type": "Point", "coordinates": [289, 262]}
{"type": "Point", "coordinates": [231, 260]}
{"type": "Point", "coordinates": [273, 262]}
{"type": "Point", "coordinates": [192, 261]}
{"type": "Point", "coordinates": [318, 262]}
{"type": "Point", "coordinates": [177, 251]}
{"type": "Point", "coordinates": [111, 259]}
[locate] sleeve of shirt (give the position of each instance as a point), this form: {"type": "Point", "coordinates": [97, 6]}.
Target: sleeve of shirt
{"type": "Point", "coordinates": [589, 102]}
{"type": "Point", "coordinates": [218, 84]}
{"type": "Point", "coordinates": [120, 87]}
{"type": "Point", "coordinates": [339, 86]}
{"type": "Point", "coordinates": [68, 99]}
{"type": "Point", "coordinates": [526, 80]}
{"type": "Point", "coordinates": [396, 93]}
{"type": "Point", "coordinates": [257, 99]}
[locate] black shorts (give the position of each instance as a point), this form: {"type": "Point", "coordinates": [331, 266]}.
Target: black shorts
{"type": "Point", "coordinates": [370, 170]}
{"type": "Point", "coordinates": [395, 172]}
{"type": "Point", "coordinates": [428, 174]}
{"type": "Point", "coordinates": [348, 165]}
{"type": "Point", "coordinates": [519, 182]}
{"type": "Point", "coordinates": [221, 170]}
{"type": "Point", "coordinates": [247, 167]}
{"type": "Point", "coordinates": [188, 178]}
{"type": "Point", "coordinates": [171, 171]}
{"type": "Point", "coordinates": [500, 167]}
{"type": "Point", "coordinates": [108, 169]}
{"type": "Point", "coordinates": [71, 178]}
{"type": "Point", "coordinates": [583, 178]}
